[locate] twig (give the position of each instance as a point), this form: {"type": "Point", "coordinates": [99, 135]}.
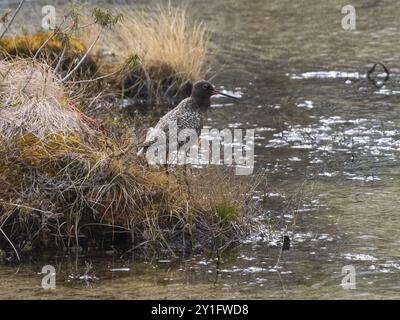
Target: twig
{"type": "Point", "coordinates": [26, 207]}
{"type": "Point", "coordinates": [84, 56]}
{"type": "Point", "coordinates": [12, 19]}
{"type": "Point", "coordinates": [90, 121]}
{"type": "Point", "coordinates": [96, 79]}
{"type": "Point", "coordinates": [56, 31]}
{"type": "Point", "coordinates": [60, 60]}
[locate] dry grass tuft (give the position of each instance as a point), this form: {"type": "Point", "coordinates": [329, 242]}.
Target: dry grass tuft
{"type": "Point", "coordinates": [33, 101]}
{"type": "Point", "coordinates": [162, 50]}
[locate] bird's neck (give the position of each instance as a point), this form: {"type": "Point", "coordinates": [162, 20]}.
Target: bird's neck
{"type": "Point", "coordinates": [203, 104]}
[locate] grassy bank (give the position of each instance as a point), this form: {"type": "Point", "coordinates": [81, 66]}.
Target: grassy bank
{"type": "Point", "coordinates": [167, 50]}
{"type": "Point", "coordinates": [69, 180]}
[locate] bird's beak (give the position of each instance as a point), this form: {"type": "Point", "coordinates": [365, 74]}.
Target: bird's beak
{"type": "Point", "coordinates": [224, 94]}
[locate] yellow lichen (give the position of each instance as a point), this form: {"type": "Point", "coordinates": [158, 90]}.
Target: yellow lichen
{"type": "Point", "coordinates": [28, 45]}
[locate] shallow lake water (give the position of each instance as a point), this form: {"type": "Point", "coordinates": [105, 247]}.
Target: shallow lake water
{"type": "Point", "coordinates": [328, 139]}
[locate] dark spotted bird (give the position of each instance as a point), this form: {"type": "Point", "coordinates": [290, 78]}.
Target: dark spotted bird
{"type": "Point", "coordinates": [188, 114]}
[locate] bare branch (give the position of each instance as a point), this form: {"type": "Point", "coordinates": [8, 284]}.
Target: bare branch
{"type": "Point", "coordinates": [12, 19]}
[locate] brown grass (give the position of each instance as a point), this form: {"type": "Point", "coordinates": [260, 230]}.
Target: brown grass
{"type": "Point", "coordinates": [32, 100]}
{"type": "Point", "coordinates": [166, 48]}
{"type": "Point", "coordinates": [152, 54]}
{"type": "Point", "coordinates": [63, 184]}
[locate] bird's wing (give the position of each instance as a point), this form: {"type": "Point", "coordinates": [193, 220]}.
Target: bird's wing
{"type": "Point", "coordinates": [191, 120]}
{"type": "Point", "coordinates": [180, 116]}
{"type": "Point", "coordinates": [171, 116]}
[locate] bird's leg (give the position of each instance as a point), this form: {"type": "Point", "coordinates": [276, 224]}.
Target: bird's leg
{"type": "Point", "coordinates": [166, 165]}
{"type": "Point", "coordinates": [185, 176]}
{"type": "Point", "coordinates": [166, 168]}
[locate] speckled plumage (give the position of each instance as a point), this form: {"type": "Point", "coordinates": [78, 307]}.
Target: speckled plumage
{"type": "Point", "coordinates": [187, 115]}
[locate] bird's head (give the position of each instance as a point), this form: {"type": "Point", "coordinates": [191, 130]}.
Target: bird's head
{"type": "Point", "coordinates": [203, 90]}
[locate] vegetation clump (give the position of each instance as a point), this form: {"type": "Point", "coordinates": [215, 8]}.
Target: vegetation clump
{"type": "Point", "coordinates": [32, 100]}
{"type": "Point", "coordinates": [64, 184]}
{"type": "Point", "coordinates": [147, 55]}
{"type": "Point", "coordinates": [161, 50]}
{"type": "Point", "coordinates": [54, 48]}
{"type": "Point", "coordinates": [67, 180]}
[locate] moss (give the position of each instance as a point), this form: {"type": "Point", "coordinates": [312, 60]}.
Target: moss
{"type": "Point", "coordinates": [27, 46]}
{"type": "Point", "coordinates": [34, 151]}
{"type": "Point", "coordinates": [227, 212]}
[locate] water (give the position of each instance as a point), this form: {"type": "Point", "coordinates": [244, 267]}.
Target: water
{"type": "Point", "coordinates": [328, 139]}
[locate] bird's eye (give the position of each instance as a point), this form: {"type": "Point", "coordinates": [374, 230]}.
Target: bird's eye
{"type": "Point", "coordinates": [206, 86]}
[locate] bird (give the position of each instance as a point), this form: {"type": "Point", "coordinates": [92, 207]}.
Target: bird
{"type": "Point", "coordinates": [188, 114]}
